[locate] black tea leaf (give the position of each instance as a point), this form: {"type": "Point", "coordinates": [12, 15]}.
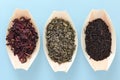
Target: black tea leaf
{"type": "Point", "coordinates": [98, 40]}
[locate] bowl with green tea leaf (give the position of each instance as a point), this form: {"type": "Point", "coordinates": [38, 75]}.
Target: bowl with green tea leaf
{"type": "Point", "coordinates": [60, 41]}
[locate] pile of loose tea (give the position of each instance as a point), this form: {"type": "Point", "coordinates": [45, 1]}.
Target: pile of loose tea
{"type": "Point", "coordinates": [98, 40]}
{"type": "Point", "coordinates": [22, 38]}
{"type": "Point", "coordinates": [60, 38]}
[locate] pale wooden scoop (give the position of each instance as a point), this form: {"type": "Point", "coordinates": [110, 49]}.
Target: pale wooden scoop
{"type": "Point", "coordinates": [64, 66]}
{"type": "Point", "coordinates": [14, 59]}
{"type": "Point", "coordinates": [105, 63]}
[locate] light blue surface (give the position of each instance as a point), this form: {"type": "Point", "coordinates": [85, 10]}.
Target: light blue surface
{"type": "Point", "coordinates": [41, 10]}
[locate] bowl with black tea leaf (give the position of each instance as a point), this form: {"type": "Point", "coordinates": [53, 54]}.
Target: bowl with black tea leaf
{"type": "Point", "coordinates": [22, 40]}
{"type": "Point", "coordinates": [98, 40]}
{"type": "Point", "coordinates": [60, 41]}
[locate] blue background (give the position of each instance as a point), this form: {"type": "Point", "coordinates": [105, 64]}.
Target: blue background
{"type": "Point", "coordinates": [41, 10]}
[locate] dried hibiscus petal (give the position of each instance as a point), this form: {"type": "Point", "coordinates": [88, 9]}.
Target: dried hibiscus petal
{"type": "Point", "coordinates": [22, 38]}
